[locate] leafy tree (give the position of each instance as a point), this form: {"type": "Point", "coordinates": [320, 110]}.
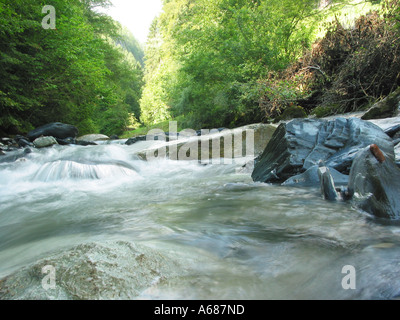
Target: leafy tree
{"type": "Point", "coordinates": [211, 54]}
{"type": "Point", "coordinates": [74, 74]}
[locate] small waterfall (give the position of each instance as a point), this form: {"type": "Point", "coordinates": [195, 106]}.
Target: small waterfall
{"type": "Point", "coordinates": [115, 227]}
{"type": "Point", "coordinates": [65, 169]}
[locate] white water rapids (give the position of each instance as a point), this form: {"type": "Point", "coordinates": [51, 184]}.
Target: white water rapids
{"type": "Point", "coordinates": [115, 227]}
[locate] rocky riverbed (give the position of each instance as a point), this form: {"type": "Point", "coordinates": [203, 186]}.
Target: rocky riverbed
{"type": "Point", "coordinates": [112, 225]}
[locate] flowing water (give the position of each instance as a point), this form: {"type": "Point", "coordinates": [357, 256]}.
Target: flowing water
{"type": "Point", "coordinates": [114, 227]}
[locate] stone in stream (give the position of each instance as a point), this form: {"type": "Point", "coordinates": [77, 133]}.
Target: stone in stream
{"type": "Point", "coordinates": [134, 140]}
{"type": "Point", "coordinates": [93, 271]}
{"type": "Point", "coordinates": [328, 188]}
{"type": "Point", "coordinates": [93, 138]}
{"type": "Point", "coordinates": [393, 131]}
{"type": "Point", "coordinates": [86, 143]}
{"type": "Point", "coordinates": [300, 144]}
{"type": "Point", "coordinates": [66, 142]}
{"type": "Point", "coordinates": [249, 140]}
{"type": "Point", "coordinates": [375, 183]}
{"type": "Point", "coordinates": [24, 143]}
{"type": "Point", "coordinates": [15, 155]}
{"type": "Point", "coordinates": [311, 178]}
{"type": "Point", "coordinates": [57, 130]}
{"type": "Point", "coordinates": [44, 142]}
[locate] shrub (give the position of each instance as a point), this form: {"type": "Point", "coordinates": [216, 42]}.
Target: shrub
{"type": "Point", "coordinates": [346, 71]}
{"type": "Point", "coordinates": [351, 68]}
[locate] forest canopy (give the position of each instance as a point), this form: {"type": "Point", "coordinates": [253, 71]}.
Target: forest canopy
{"type": "Point", "coordinates": [226, 63]}
{"type": "Point", "coordinates": [75, 73]}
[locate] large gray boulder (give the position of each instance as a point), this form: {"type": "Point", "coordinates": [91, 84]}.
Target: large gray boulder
{"type": "Point", "coordinates": [57, 130]}
{"type": "Point", "coordinates": [374, 184]}
{"type": "Point", "coordinates": [302, 143]}
{"type": "Point", "coordinates": [217, 144]}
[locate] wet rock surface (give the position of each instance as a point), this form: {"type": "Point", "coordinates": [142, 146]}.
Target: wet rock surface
{"type": "Point", "coordinates": [92, 271]}
{"type": "Point", "coordinates": [311, 178]}
{"type": "Point", "coordinates": [374, 184]}
{"type": "Point", "coordinates": [248, 140]}
{"type": "Point", "coordinates": [14, 155]}
{"type": "Point", "coordinates": [134, 140]}
{"type": "Point", "coordinates": [300, 144]}
{"type": "Point", "coordinates": [327, 184]}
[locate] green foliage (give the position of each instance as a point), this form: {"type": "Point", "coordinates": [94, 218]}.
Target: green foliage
{"type": "Point", "coordinates": [345, 71]}
{"type": "Point", "coordinates": [130, 44]}
{"type": "Point", "coordinates": [74, 74]}
{"type": "Point", "coordinates": [224, 63]}
{"type": "Point", "coordinates": [204, 58]}
{"type": "Point", "coordinates": [359, 65]}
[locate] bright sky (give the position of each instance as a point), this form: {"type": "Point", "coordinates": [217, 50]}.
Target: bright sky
{"type": "Point", "coordinates": [136, 15]}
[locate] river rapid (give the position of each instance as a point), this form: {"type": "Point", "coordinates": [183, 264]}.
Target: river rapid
{"type": "Point", "coordinates": [111, 226]}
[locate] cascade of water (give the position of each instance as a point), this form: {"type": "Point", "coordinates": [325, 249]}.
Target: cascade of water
{"type": "Point", "coordinates": [113, 226]}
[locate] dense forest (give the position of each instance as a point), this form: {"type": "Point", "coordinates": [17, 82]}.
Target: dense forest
{"type": "Point", "coordinates": [207, 63]}
{"type": "Point", "coordinates": [215, 63]}
{"type": "Point", "coordinates": [85, 71]}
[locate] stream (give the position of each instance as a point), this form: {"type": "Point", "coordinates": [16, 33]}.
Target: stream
{"type": "Point", "coordinates": [112, 226]}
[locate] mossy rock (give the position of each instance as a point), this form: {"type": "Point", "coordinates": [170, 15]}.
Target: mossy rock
{"type": "Point", "coordinates": [385, 108]}
{"type": "Point", "coordinates": [292, 112]}
{"type": "Point", "coordinates": [321, 112]}
{"type": "Point", "coordinates": [326, 110]}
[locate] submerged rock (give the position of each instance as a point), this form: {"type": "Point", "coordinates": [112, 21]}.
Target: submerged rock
{"type": "Point", "coordinates": [302, 143]}
{"type": "Point", "coordinates": [57, 130]}
{"type": "Point", "coordinates": [375, 183]}
{"type": "Point", "coordinates": [14, 155]}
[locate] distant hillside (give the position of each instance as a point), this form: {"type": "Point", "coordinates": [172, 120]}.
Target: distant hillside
{"type": "Point", "coordinates": [129, 43]}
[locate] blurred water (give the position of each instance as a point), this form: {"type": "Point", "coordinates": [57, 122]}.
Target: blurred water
{"type": "Point", "coordinates": [116, 227]}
